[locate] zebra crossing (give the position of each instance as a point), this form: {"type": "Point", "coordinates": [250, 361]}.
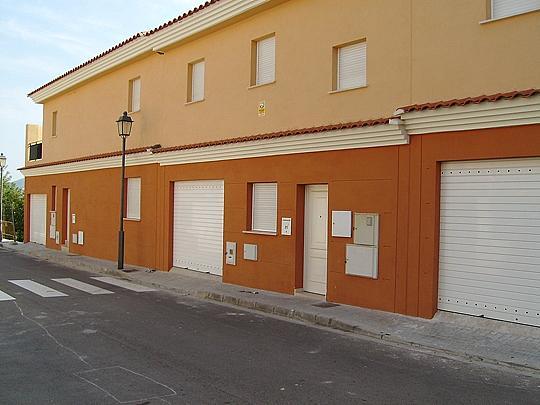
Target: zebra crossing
{"type": "Point", "coordinates": [46, 291]}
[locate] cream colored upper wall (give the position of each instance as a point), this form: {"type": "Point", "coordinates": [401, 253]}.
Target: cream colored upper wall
{"type": "Point", "coordinates": [443, 32]}
{"type": "Point", "coordinates": [455, 56]}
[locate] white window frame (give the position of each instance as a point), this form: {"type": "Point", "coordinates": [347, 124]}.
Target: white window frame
{"type": "Point", "coordinates": [133, 202]}
{"type": "Point", "coordinates": [197, 94]}
{"type": "Point", "coordinates": [271, 39]}
{"type": "Point", "coordinates": [534, 7]}
{"type": "Point", "coordinates": [361, 80]}
{"type": "Point", "coordinates": [134, 95]}
{"type": "Point", "coordinates": [255, 190]}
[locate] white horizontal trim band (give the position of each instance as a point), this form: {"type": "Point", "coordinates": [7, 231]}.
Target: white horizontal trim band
{"type": "Point", "coordinates": [364, 137]}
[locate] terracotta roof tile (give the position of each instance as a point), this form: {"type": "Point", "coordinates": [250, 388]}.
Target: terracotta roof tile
{"type": "Point", "coordinates": [271, 135]}
{"type": "Point", "coordinates": [280, 134]}
{"type": "Point", "coordinates": [127, 41]}
{"type": "Point", "coordinates": [93, 157]}
{"type": "Point", "coordinates": [471, 100]}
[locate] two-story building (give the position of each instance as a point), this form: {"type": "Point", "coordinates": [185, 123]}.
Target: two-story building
{"type": "Point", "coordinates": [302, 145]}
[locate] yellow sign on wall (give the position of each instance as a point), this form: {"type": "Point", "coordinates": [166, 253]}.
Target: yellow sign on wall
{"type": "Point", "coordinates": [262, 109]}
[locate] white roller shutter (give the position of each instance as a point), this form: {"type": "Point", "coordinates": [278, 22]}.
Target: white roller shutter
{"type": "Point", "coordinates": [38, 218]}
{"type": "Point", "coordinates": [489, 260]}
{"type": "Point", "coordinates": [352, 61]}
{"type": "Point", "coordinates": [264, 207]}
{"type": "Point", "coordinates": [266, 60]}
{"type": "Point", "coordinates": [197, 81]}
{"type": "Point", "coordinates": [506, 8]}
{"type": "Point", "coordinates": [133, 206]}
{"type": "Point", "coordinates": [198, 225]}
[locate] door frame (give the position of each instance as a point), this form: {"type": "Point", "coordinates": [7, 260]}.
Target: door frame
{"type": "Point", "coordinates": [306, 223]}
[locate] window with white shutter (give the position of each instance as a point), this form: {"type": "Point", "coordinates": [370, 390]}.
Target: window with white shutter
{"type": "Point", "coordinates": [196, 81]}
{"type": "Point", "coordinates": [134, 95]}
{"type": "Point", "coordinates": [264, 207]}
{"type": "Point", "coordinates": [351, 66]}
{"type": "Point", "coordinates": [507, 8]}
{"type": "Point", "coordinates": [133, 205]}
{"type": "Point", "coordinates": [265, 61]}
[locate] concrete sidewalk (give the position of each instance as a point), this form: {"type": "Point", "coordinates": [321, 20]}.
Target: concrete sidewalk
{"type": "Point", "coordinates": [459, 336]}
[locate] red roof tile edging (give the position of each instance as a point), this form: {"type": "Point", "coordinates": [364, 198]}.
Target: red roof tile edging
{"type": "Point", "coordinates": [127, 41]}
{"type": "Point", "coordinates": [471, 100]}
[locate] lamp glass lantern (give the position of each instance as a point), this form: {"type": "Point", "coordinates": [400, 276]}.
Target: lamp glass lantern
{"type": "Point", "coordinates": [2, 160]}
{"type": "Point", "coordinates": [124, 123]}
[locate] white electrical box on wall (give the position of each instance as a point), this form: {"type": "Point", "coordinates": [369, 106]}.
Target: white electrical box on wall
{"type": "Point", "coordinates": [80, 236]}
{"type": "Point", "coordinates": [74, 238]}
{"type": "Point", "coordinates": [366, 229]}
{"type": "Point", "coordinates": [57, 237]}
{"type": "Point", "coordinates": [286, 225]}
{"type": "Point", "coordinates": [362, 261]}
{"type": "Point", "coordinates": [250, 252]}
{"type": "Point", "coordinates": [230, 254]}
{"type": "Point", "coordinates": [341, 224]}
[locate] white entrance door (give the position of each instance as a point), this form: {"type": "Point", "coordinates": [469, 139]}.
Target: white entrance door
{"type": "Point", "coordinates": [315, 238]}
{"type": "Point", "coordinates": [38, 218]}
{"type": "Point", "coordinates": [198, 225]}
{"type": "Point", "coordinates": [489, 261]}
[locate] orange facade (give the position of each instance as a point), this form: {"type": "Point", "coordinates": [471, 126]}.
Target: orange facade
{"type": "Point", "coordinates": [401, 183]}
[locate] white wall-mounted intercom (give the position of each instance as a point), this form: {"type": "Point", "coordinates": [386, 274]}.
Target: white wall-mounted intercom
{"type": "Point", "coordinates": [230, 254]}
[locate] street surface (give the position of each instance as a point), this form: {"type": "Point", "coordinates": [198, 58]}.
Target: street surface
{"type": "Point", "coordinates": [71, 337]}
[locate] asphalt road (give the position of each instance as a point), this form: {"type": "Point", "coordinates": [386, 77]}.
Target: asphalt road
{"type": "Point", "coordinates": [156, 347]}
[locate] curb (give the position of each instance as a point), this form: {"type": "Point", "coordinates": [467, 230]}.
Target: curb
{"type": "Point", "coordinates": [302, 316]}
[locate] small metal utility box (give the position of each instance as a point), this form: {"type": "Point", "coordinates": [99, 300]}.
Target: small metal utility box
{"type": "Point", "coordinates": [366, 229]}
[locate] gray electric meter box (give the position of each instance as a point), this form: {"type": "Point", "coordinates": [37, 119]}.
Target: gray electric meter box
{"type": "Point", "coordinates": [362, 257]}
{"type": "Point", "coordinates": [366, 229]}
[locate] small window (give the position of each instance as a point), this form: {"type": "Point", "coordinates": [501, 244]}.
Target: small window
{"type": "Point", "coordinates": [196, 81]}
{"type": "Point", "coordinates": [53, 124]}
{"type": "Point", "coordinates": [134, 104]}
{"type": "Point", "coordinates": [264, 61]}
{"type": "Point", "coordinates": [507, 8]}
{"type": "Point", "coordinates": [350, 66]}
{"type": "Point", "coordinates": [133, 205]}
{"type": "Point", "coordinates": [35, 151]}
{"type": "Point", "coordinates": [264, 207]}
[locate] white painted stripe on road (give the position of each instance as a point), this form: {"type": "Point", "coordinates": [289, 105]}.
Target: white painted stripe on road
{"type": "Point", "coordinates": [124, 284]}
{"type": "Point", "coordinates": [5, 297]}
{"type": "Point", "coordinates": [39, 289]}
{"type": "Point", "coordinates": [79, 285]}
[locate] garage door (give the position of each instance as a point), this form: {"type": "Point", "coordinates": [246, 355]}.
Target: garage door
{"type": "Point", "coordinates": [198, 226]}
{"type": "Point", "coordinates": [38, 217]}
{"type": "Point", "coordinates": [489, 262]}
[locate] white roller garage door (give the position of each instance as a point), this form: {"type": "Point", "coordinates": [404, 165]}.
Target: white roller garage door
{"type": "Point", "coordinates": [489, 262]}
{"type": "Point", "coordinates": [38, 218]}
{"type": "Point", "coordinates": [198, 225]}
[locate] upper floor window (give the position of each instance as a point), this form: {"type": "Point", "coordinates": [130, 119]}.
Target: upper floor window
{"type": "Point", "coordinates": [134, 102]}
{"type": "Point", "coordinates": [263, 61]}
{"type": "Point", "coordinates": [264, 207]}
{"type": "Point", "coordinates": [196, 81]}
{"type": "Point", "coordinates": [507, 8]}
{"type": "Point", "coordinates": [350, 66]}
{"type": "Point", "coordinates": [53, 123]}
{"type": "Point", "coordinates": [133, 200]}
{"type": "Point", "coordinates": [35, 151]}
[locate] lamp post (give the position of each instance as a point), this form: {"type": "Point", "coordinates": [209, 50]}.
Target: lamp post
{"type": "Point", "coordinates": [124, 123]}
{"type": "Point", "coordinates": [2, 165]}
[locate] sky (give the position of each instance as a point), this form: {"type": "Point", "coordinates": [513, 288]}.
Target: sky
{"type": "Point", "coordinates": [40, 40]}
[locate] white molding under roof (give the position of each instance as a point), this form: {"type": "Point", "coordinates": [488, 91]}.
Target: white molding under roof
{"type": "Point", "coordinates": [502, 113]}
{"type": "Point", "coordinates": [363, 137]}
{"type": "Point", "coordinates": [176, 32]}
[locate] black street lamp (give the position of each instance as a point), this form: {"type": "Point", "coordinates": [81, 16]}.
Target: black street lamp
{"type": "Point", "coordinates": [124, 123]}
{"type": "Point", "coordinates": [2, 165]}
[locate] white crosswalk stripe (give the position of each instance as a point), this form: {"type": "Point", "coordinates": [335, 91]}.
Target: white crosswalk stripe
{"type": "Point", "coordinates": [79, 285]}
{"type": "Point", "coordinates": [124, 284]}
{"type": "Point", "coordinates": [5, 297]}
{"type": "Point", "coordinates": [39, 289]}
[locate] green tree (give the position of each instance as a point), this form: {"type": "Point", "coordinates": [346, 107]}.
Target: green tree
{"type": "Point", "coordinates": [13, 205]}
